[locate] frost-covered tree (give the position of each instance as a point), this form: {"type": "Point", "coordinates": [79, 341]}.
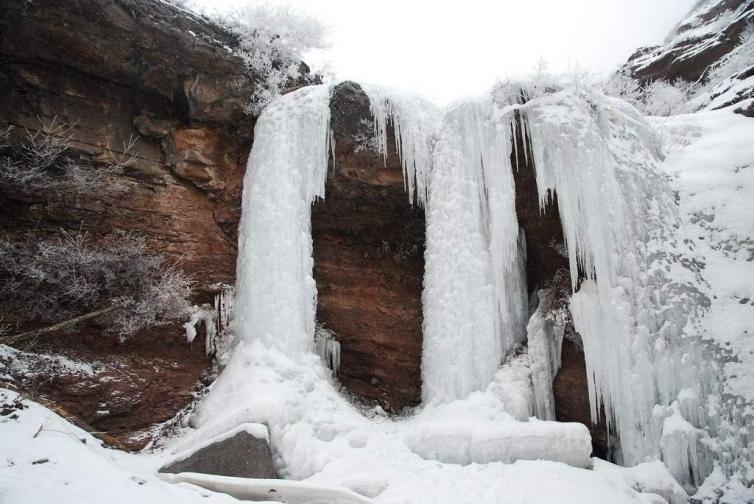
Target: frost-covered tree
{"type": "Point", "coordinates": [71, 278]}
{"type": "Point", "coordinates": [42, 159]}
{"type": "Point", "coordinates": [663, 98]}
{"type": "Point", "coordinates": [657, 98]}
{"type": "Point", "coordinates": [272, 42]}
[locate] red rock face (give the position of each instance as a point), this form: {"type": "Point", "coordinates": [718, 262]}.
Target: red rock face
{"type": "Point", "coordinates": [117, 70]}
{"type": "Point", "coordinates": [132, 386]}
{"type": "Point", "coordinates": [113, 70]}
{"type": "Point", "coordinates": [369, 262]}
{"type": "Point", "coordinates": [572, 400]}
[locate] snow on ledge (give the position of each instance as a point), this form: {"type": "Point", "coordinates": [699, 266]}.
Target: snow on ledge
{"type": "Point", "coordinates": [296, 492]}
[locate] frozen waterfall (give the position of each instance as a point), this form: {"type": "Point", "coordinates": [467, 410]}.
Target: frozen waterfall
{"type": "Point", "coordinates": [475, 284]}
{"type": "Point", "coordinates": [637, 292]}
{"type": "Point", "coordinates": [276, 294]}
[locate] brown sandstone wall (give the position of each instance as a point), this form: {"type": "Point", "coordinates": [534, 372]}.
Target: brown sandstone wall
{"type": "Point", "coordinates": [369, 261]}
{"type": "Point", "coordinates": [112, 69]}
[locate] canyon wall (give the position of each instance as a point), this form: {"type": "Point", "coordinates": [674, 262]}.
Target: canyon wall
{"type": "Point", "coordinates": [114, 70]}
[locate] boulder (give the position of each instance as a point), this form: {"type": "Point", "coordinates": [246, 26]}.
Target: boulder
{"type": "Point", "coordinates": [245, 454]}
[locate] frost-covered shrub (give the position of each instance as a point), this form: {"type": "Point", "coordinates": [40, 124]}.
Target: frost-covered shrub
{"type": "Point", "coordinates": [272, 42]}
{"type": "Point", "coordinates": [42, 160]}
{"type": "Point", "coordinates": [622, 86]}
{"type": "Point", "coordinates": [658, 98]}
{"type": "Point", "coordinates": [539, 83]}
{"type": "Point", "coordinates": [55, 279]}
{"type": "Point", "coordinates": [663, 98]}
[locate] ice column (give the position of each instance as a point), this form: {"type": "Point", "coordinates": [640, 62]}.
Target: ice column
{"type": "Point", "coordinates": [474, 289]}
{"type": "Point", "coordinates": [276, 293]}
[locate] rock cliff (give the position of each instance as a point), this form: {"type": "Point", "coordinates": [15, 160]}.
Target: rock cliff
{"type": "Point", "coordinates": [710, 31]}
{"type": "Point", "coordinates": [113, 70]}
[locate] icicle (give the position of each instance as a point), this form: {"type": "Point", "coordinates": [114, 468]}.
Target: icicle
{"type": "Point", "coordinates": [636, 309]}
{"type": "Point", "coordinates": [276, 293]}
{"type": "Point", "coordinates": [413, 120]}
{"type": "Point", "coordinates": [328, 348]}
{"type": "Point", "coordinates": [224, 306]}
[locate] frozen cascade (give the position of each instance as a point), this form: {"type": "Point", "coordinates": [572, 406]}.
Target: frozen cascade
{"type": "Point", "coordinates": [475, 294]}
{"type": "Point", "coordinates": [474, 285]}
{"type": "Point", "coordinates": [545, 332]}
{"type": "Point", "coordinates": [276, 294]}
{"type": "Point", "coordinates": [474, 297]}
{"type": "Point", "coordinates": [637, 309]}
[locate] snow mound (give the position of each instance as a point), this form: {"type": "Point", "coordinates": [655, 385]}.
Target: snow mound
{"type": "Point", "coordinates": [319, 437]}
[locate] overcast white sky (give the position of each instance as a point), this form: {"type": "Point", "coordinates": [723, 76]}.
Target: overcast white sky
{"type": "Point", "coordinates": [445, 50]}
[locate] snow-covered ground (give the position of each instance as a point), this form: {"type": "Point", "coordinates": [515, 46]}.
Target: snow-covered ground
{"type": "Point", "coordinates": [47, 460]}
{"type": "Point", "coordinates": [44, 459]}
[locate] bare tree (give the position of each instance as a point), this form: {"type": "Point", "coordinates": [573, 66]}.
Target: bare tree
{"type": "Point", "coordinates": [68, 279]}
{"type": "Point", "coordinates": [43, 160]}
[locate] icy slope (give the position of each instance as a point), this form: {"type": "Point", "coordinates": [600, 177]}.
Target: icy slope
{"type": "Point", "coordinates": [710, 157]}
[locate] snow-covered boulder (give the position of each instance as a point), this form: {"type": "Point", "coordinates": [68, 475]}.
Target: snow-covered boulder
{"type": "Point", "coordinates": [243, 452]}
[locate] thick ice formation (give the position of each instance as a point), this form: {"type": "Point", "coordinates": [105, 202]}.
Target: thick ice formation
{"type": "Point", "coordinates": [637, 309]}
{"type": "Point", "coordinates": [474, 285]}
{"type": "Point", "coordinates": [636, 303]}
{"type": "Point", "coordinates": [276, 293]}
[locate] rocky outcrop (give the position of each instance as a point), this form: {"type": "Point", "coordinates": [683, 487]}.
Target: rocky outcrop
{"type": "Point", "coordinates": [120, 69]}
{"type": "Point", "coordinates": [369, 260]}
{"type": "Point", "coordinates": [710, 31]}
{"type": "Point", "coordinates": [119, 391]}
{"type": "Point", "coordinates": [114, 70]}
{"type": "Point", "coordinates": [245, 454]}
